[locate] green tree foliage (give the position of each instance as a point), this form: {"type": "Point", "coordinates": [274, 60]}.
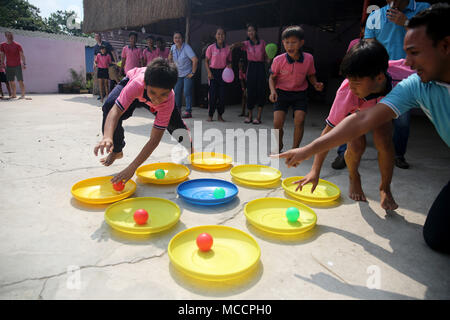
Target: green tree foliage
{"type": "Point", "coordinates": [19, 14]}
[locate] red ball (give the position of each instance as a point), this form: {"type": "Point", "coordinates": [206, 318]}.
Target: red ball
{"type": "Point", "coordinates": [118, 186]}
{"type": "Point", "coordinates": [140, 216]}
{"type": "Point", "coordinates": [204, 242]}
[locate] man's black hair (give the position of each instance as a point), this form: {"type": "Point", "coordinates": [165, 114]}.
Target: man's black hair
{"type": "Point", "coordinates": [293, 31]}
{"type": "Point", "coordinates": [368, 58]}
{"type": "Point", "coordinates": [436, 19]}
{"type": "Point", "coordinates": [161, 73]}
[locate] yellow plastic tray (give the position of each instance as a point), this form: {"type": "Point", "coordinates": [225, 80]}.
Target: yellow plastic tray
{"type": "Point", "coordinates": [162, 215]}
{"type": "Point", "coordinates": [269, 214]}
{"type": "Point", "coordinates": [174, 173]}
{"type": "Point", "coordinates": [257, 174]}
{"type": "Point", "coordinates": [232, 255]}
{"type": "Point", "coordinates": [100, 190]}
{"type": "Point", "coordinates": [210, 160]}
{"type": "Point", "coordinates": [273, 184]}
{"type": "Point", "coordinates": [325, 191]}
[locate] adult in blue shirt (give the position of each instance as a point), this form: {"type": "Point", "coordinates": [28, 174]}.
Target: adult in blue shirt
{"type": "Point", "coordinates": [186, 60]}
{"type": "Point", "coordinates": [387, 25]}
{"type": "Point", "coordinates": [427, 46]}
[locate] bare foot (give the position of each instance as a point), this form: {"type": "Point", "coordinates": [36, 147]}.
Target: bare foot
{"type": "Point", "coordinates": [387, 200]}
{"type": "Point", "coordinates": [355, 191]}
{"type": "Point", "coordinates": [109, 160]}
{"type": "Point", "coordinates": [209, 119]}
{"type": "Point", "coordinates": [219, 118]}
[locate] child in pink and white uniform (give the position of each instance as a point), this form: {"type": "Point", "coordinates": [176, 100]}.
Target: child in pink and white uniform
{"type": "Point", "coordinates": [149, 53]}
{"type": "Point", "coordinates": [161, 50]}
{"type": "Point", "coordinates": [150, 87]}
{"type": "Point", "coordinates": [217, 57]}
{"type": "Point", "coordinates": [102, 61]}
{"type": "Point", "coordinates": [131, 54]}
{"type": "Point", "coordinates": [288, 83]}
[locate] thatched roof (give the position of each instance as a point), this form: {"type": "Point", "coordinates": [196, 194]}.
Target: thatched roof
{"type": "Point", "coordinates": [105, 15]}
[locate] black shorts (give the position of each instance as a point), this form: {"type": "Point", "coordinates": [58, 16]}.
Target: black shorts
{"type": "Point", "coordinates": [3, 77]}
{"type": "Point", "coordinates": [297, 99]}
{"type": "Point", "coordinates": [102, 73]}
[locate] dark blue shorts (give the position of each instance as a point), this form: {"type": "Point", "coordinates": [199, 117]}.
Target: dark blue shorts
{"type": "Point", "coordinates": [297, 99]}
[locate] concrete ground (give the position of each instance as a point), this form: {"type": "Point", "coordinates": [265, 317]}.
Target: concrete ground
{"type": "Point", "coordinates": [356, 251]}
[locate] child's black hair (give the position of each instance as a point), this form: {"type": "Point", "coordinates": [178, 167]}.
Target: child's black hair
{"type": "Point", "coordinates": [435, 19]}
{"type": "Point", "coordinates": [150, 37]}
{"type": "Point", "coordinates": [256, 30]}
{"type": "Point", "coordinates": [132, 33]}
{"type": "Point", "coordinates": [293, 31]}
{"type": "Point", "coordinates": [368, 58]}
{"type": "Point", "coordinates": [161, 73]}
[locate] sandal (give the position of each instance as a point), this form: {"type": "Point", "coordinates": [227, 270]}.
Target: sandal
{"type": "Point", "coordinates": [256, 121]}
{"type": "Point", "coordinates": [247, 120]}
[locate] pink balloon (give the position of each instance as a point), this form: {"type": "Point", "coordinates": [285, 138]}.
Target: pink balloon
{"type": "Point", "coordinates": [228, 75]}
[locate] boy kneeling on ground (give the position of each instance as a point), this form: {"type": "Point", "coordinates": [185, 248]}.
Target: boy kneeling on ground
{"type": "Point", "coordinates": [150, 87]}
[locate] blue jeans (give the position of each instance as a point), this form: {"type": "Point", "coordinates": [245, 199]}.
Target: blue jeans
{"type": "Point", "coordinates": [341, 149]}
{"type": "Point", "coordinates": [401, 134]}
{"type": "Point", "coordinates": [187, 84]}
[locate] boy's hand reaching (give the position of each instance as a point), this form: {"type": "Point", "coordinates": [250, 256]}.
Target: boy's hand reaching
{"type": "Point", "coordinates": [124, 175]}
{"type": "Point", "coordinates": [310, 177]}
{"type": "Point", "coordinates": [318, 86]}
{"type": "Point", "coordinates": [106, 144]}
{"type": "Point", "coordinates": [293, 157]}
{"type": "Point", "coordinates": [273, 96]}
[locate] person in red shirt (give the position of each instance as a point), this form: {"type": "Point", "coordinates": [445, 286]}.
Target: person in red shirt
{"type": "Point", "coordinates": [15, 61]}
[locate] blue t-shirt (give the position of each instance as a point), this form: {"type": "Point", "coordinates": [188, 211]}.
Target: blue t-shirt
{"type": "Point", "coordinates": [388, 33]}
{"type": "Point", "coordinates": [182, 59]}
{"type": "Point", "coordinates": [432, 97]}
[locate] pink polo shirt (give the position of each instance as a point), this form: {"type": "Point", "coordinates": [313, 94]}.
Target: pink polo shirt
{"type": "Point", "coordinates": [135, 89]}
{"type": "Point", "coordinates": [103, 61]}
{"type": "Point", "coordinates": [347, 102]}
{"type": "Point", "coordinates": [255, 52]}
{"type": "Point", "coordinates": [162, 53]}
{"type": "Point", "coordinates": [133, 57]}
{"type": "Point", "coordinates": [149, 56]}
{"type": "Point", "coordinates": [218, 57]}
{"type": "Point", "coordinates": [291, 75]}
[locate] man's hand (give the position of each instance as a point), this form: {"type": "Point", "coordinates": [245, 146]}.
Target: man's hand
{"type": "Point", "coordinates": [294, 156]}
{"type": "Point", "coordinates": [318, 86]}
{"type": "Point", "coordinates": [397, 17]}
{"type": "Point", "coordinates": [24, 66]}
{"type": "Point", "coordinates": [190, 75]}
{"type": "Point", "coordinates": [106, 144]}
{"type": "Point", "coordinates": [124, 175]}
{"type": "Point", "coordinates": [273, 96]}
{"type": "Point", "coordinates": [311, 177]}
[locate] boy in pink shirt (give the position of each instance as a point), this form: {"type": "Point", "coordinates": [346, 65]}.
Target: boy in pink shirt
{"type": "Point", "coordinates": [149, 53]}
{"type": "Point", "coordinates": [150, 87]}
{"type": "Point", "coordinates": [288, 83]}
{"type": "Point", "coordinates": [102, 61]}
{"type": "Point", "coordinates": [217, 57]}
{"type": "Point", "coordinates": [161, 50]}
{"type": "Point", "coordinates": [370, 76]}
{"type": "Point", "coordinates": [131, 54]}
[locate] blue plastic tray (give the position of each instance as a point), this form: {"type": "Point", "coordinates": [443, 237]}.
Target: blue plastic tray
{"type": "Point", "coordinates": [200, 191]}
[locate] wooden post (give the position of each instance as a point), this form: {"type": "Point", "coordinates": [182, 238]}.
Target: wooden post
{"type": "Point", "coordinates": [188, 21]}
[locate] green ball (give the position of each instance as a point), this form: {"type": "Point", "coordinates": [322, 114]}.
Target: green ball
{"type": "Point", "coordinates": [160, 174]}
{"type": "Point", "coordinates": [292, 214]}
{"type": "Point", "coordinates": [219, 193]}
{"type": "Point", "coordinates": [271, 50]}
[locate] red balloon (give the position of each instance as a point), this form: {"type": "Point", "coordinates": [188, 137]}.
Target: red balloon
{"type": "Point", "coordinates": [118, 186]}
{"type": "Point", "coordinates": [204, 242]}
{"type": "Point", "coordinates": [140, 216]}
